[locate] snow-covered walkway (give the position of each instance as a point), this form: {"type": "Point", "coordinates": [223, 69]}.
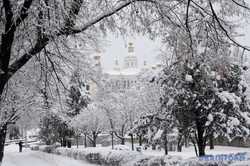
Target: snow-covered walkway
{"type": "Point", "coordinates": [30, 158]}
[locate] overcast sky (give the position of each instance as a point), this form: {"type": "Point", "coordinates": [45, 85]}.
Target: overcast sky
{"type": "Point", "coordinates": [147, 50]}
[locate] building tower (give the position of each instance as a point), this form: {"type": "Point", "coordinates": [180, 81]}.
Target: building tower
{"type": "Point", "coordinates": [97, 58]}
{"type": "Point", "coordinates": [117, 67]}
{"type": "Point", "coordinates": [130, 61]}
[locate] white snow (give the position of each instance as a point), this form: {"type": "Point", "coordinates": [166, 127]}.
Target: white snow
{"type": "Point", "coordinates": [30, 158]}
{"type": "Point", "coordinates": [130, 71]}
{"type": "Point", "coordinates": [121, 147]}
{"type": "Point", "coordinates": [234, 121]}
{"type": "Point", "coordinates": [246, 116]}
{"type": "Point", "coordinates": [170, 101]}
{"type": "Point", "coordinates": [218, 77]}
{"type": "Point", "coordinates": [213, 74]}
{"type": "Point", "coordinates": [226, 96]}
{"type": "Point", "coordinates": [210, 117]}
{"type": "Point", "coordinates": [188, 78]}
{"type": "Point", "coordinates": [190, 153]}
{"type": "Point", "coordinates": [158, 135]}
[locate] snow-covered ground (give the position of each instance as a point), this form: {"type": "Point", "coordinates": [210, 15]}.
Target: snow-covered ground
{"type": "Point", "coordinates": [189, 152]}
{"type": "Point", "coordinates": [29, 158]}
{"type": "Point", "coordinates": [185, 154]}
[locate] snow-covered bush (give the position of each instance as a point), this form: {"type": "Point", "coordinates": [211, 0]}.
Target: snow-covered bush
{"type": "Point", "coordinates": [34, 147]}
{"type": "Point", "coordinates": [109, 157]}
{"type": "Point", "coordinates": [48, 148]}
{"type": "Point", "coordinates": [121, 147]}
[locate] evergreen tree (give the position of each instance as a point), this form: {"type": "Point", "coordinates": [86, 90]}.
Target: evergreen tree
{"type": "Point", "coordinates": [53, 129]}
{"type": "Point", "coordinates": [78, 95]}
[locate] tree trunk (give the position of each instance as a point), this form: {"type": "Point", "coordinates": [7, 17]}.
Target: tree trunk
{"type": "Point", "coordinates": [179, 143]}
{"type": "Point", "coordinates": [140, 140]}
{"type": "Point", "coordinates": [153, 146]}
{"type": "Point", "coordinates": [201, 149]}
{"type": "Point", "coordinates": [179, 147]}
{"type": "Point", "coordinates": [195, 148]}
{"type": "Point", "coordinates": [186, 140]}
{"type": "Point", "coordinates": [94, 143]}
{"type": "Point", "coordinates": [123, 141]}
{"type": "Point", "coordinates": [77, 141]}
{"type": "Point", "coordinates": [122, 135]}
{"type": "Point", "coordinates": [112, 139]}
{"type": "Point", "coordinates": [132, 141]}
{"type": "Point", "coordinates": [85, 140]}
{"type": "Point", "coordinates": [64, 142]}
{"type": "Point", "coordinates": [166, 144]}
{"type": "Point", "coordinates": [68, 143]}
{"type": "Point", "coordinates": [200, 140]}
{"type": "Point", "coordinates": [3, 131]}
{"type": "Point", "coordinates": [94, 139]}
{"type": "Point", "coordinates": [211, 141]}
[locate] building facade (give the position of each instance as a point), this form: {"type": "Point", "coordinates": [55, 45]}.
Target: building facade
{"type": "Point", "coordinates": [125, 77]}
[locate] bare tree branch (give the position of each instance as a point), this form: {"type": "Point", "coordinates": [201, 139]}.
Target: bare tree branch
{"type": "Point", "coordinates": [24, 11]}
{"type": "Point", "coordinates": [241, 5]}
{"type": "Point", "coordinates": [224, 30]}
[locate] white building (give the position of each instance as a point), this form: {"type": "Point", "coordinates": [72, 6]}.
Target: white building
{"type": "Point", "coordinates": [125, 77]}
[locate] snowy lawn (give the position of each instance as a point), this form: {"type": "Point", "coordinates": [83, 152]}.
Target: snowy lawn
{"type": "Point", "coordinates": [29, 158]}
{"type": "Point", "coordinates": [123, 156]}
{"type": "Point", "coordinates": [185, 154]}
{"type": "Point", "coordinates": [126, 157]}
{"type": "Point", "coordinates": [189, 152]}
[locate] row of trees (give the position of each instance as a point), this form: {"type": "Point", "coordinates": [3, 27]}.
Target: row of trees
{"type": "Point", "coordinates": [105, 112]}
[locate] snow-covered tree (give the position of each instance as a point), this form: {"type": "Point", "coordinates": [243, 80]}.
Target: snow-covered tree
{"type": "Point", "coordinates": [148, 104]}
{"type": "Point", "coordinates": [120, 110]}
{"type": "Point", "coordinates": [208, 98]}
{"type": "Point", "coordinates": [78, 95]}
{"type": "Point", "coordinates": [91, 121]}
{"type": "Point", "coordinates": [200, 75]}
{"type": "Point", "coordinates": [53, 129]}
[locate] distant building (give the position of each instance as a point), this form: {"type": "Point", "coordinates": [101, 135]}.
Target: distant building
{"type": "Point", "coordinates": [122, 78]}
{"type": "Point", "coordinates": [124, 75]}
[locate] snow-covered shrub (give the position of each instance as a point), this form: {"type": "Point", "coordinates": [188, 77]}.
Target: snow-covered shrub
{"type": "Point", "coordinates": [34, 147]}
{"type": "Point", "coordinates": [197, 162]}
{"type": "Point", "coordinates": [48, 148]}
{"type": "Point", "coordinates": [121, 147]}
{"type": "Point", "coordinates": [108, 157]}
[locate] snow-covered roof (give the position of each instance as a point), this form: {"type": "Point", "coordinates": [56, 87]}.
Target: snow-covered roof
{"type": "Point", "coordinates": [130, 71]}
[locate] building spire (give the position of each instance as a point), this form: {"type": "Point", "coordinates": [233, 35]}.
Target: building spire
{"type": "Point", "coordinates": [97, 58]}
{"type": "Point", "coordinates": [130, 47]}
{"type": "Point", "coordinates": [117, 67]}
